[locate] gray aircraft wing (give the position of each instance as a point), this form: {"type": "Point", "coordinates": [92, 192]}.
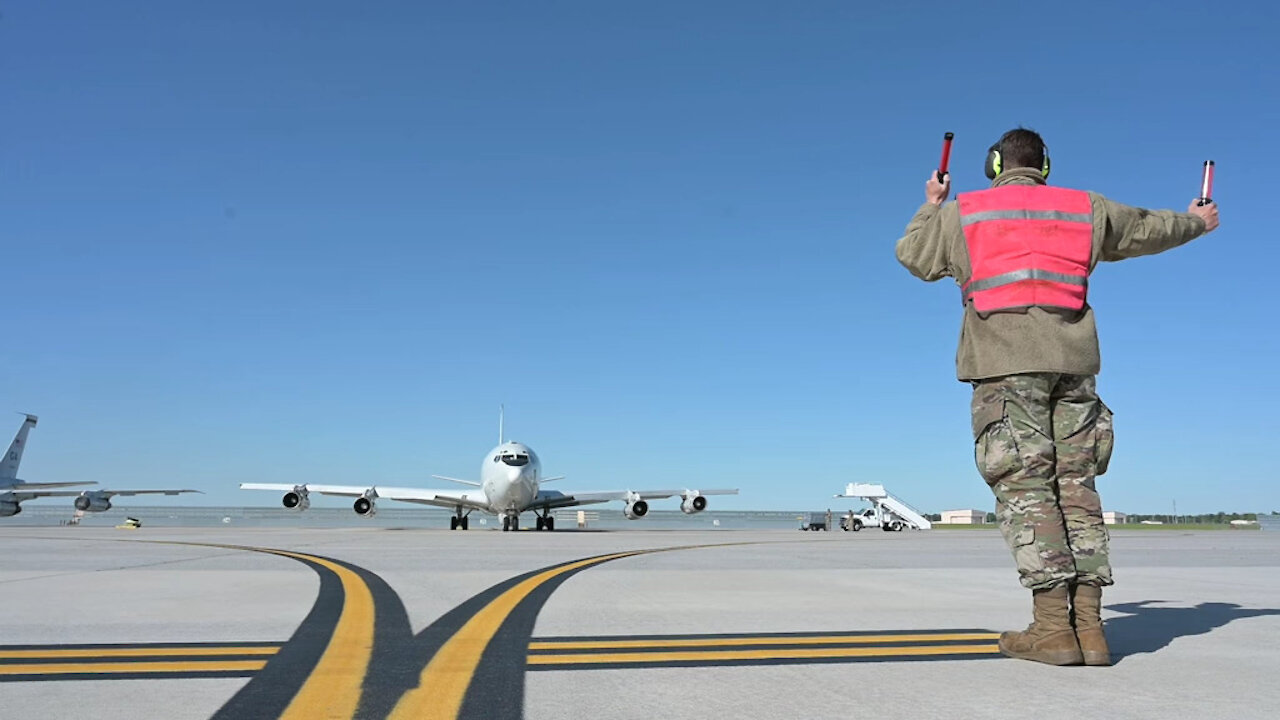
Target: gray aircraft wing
{"type": "Point", "coordinates": [112, 493]}
{"type": "Point", "coordinates": [551, 499]}
{"type": "Point", "coordinates": [23, 486]}
{"type": "Point", "coordinates": [470, 499]}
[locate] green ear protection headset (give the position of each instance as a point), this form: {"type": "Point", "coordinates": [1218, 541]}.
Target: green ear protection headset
{"type": "Point", "coordinates": [995, 164]}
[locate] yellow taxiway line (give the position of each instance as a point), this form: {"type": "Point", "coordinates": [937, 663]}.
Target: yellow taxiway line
{"type": "Point", "coordinates": [738, 641]}
{"type": "Point", "coordinates": [333, 688]}
{"type": "Point", "coordinates": [443, 683]}
{"type": "Point", "coordinates": [766, 654]}
{"type": "Point", "coordinates": [131, 667]}
{"type": "Point", "coordinates": [89, 652]}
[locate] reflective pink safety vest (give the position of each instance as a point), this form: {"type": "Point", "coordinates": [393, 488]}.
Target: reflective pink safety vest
{"type": "Point", "coordinates": [1029, 246]}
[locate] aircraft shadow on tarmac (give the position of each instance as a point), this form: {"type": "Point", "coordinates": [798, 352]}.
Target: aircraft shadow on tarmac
{"type": "Point", "coordinates": [1147, 627]}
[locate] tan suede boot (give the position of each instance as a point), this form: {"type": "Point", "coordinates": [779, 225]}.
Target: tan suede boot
{"type": "Point", "coordinates": [1086, 603]}
{"type": "Point", "coordinates": [1049, 638]}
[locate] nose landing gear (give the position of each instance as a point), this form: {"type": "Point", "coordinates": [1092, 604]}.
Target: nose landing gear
{"type": "Point", "coordinates": [510, 521]}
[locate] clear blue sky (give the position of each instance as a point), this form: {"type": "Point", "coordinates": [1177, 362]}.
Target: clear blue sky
{"type": "Point", "coordinates": [316, 241]}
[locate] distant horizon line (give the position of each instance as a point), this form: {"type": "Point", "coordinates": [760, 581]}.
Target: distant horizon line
{"type": "Point", "coordinates": [596, 508]}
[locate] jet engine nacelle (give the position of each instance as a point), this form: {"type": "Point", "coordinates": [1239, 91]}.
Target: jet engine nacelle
{"type": "Point", "coordinates": [365, 507]}
{"type": "Point", "coordinates": [9, 508]}
{"type": "Point", "coordinates": [92, 502]}
{"type": "Point", "coordinates": [296, 500]}
{"type": "Point", "coordinates": [693, 504]}
{"type": "Point", "coordinates": [636, 509]}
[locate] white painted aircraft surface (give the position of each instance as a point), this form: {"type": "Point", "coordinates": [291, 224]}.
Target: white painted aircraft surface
{"type": "Point", "coordinates": [13, 492]}
{"type": "Point", "coordinates": [510, 484]}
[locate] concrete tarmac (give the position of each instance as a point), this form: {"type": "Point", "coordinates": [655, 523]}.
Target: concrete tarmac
{"type": "Point", "coordinates": [175, 623]}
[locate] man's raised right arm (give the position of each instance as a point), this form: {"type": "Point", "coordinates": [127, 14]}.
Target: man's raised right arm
{"type": "Point", "coordinates": [924, 250]}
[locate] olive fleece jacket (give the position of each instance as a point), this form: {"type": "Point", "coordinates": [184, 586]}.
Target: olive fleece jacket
{"type": "Point", "coordinates": [1034, 340]}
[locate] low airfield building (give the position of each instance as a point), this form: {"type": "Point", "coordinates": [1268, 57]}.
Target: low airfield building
{"type": "Point", "coordinates": [1111, 517]}
{"type": "Point", "coordinates": [963, 517]}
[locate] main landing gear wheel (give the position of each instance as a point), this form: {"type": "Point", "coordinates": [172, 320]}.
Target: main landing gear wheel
{"type": "Point", "coordinates": [453, 522]}
{"type": "Point", "coordinates": [546, 522]}
{"type": "Point", "coordinates": [462, 523]}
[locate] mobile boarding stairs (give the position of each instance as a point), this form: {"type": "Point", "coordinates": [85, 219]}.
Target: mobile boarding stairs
{"type": "Point", "coordinates": [886, 504]}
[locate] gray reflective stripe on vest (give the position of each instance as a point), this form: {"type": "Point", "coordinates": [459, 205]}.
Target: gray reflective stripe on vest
{"type": "Point", "coordinates": [1025, 215]}
{"type": "Point", "coordinates": [1018, 276]}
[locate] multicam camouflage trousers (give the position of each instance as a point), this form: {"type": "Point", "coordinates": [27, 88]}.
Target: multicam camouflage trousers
{"type": "Point", "coordinates": [1040, 439]}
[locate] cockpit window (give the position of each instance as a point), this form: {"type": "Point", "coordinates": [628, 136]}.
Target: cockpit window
{"type": "Point", "coordinates": [514, 459]}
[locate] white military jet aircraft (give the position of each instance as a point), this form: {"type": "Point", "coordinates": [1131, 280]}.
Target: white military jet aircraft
{"type": "Point", "coordinates": [510, 476]}
{"type": "Point", "coordinates": [14, 491]}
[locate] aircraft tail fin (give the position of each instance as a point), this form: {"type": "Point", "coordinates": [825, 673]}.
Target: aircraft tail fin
{"type": "Point", "coordinates": [9, 464]}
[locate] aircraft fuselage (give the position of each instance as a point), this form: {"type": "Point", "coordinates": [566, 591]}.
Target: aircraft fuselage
{"type": "Point", "coordinates": [509, 477]}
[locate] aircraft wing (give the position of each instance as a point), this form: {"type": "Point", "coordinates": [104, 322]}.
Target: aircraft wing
{"type": "Point", "coordinates": [472, 499]}
{"type": "Point", "coordinates": [42, 485]}
{"type": "Point", "coordinates": [659, 494]}
{"type": "Point", "coordinates": [552, 499]}
{"type": "Point", "coordinates": [31, 491]}
{"type": "Point", "coordinates": [111, 493]}
{"type": "Point", "coordinates": [339, 490]}
{"type": "Point", "coordinates": [556, 499]}
{"type": "Point", "coordinates": [22, 495]}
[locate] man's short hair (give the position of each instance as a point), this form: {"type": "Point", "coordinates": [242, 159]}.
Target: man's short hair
{"type": "Point", "coordinates": [1021, 147]}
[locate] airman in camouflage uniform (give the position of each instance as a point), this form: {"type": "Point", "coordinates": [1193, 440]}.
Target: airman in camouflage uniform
{"type": "Point", "coordinates": [1041, 434]}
